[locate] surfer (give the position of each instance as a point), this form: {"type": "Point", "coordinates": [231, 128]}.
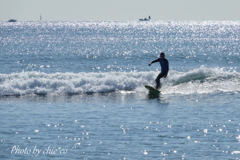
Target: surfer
{"type": "Point", "coordinates": [164, 68]}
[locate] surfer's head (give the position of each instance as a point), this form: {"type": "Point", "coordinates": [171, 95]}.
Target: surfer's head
{"type": "Point", "coordinates": [162, 55]}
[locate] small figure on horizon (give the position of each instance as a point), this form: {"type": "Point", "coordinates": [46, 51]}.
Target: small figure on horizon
{"type": "Point", "coordinates": [164, 68]}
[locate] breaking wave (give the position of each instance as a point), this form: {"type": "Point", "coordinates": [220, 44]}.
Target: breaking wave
{"type": "Point", "coordinates": [201, 80]}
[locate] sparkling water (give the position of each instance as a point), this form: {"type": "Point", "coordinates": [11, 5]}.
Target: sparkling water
{"type": "Point", "coordinates": [75, 90]}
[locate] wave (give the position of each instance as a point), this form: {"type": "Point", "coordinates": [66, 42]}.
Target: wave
{"type": "Point", "coordinates": [70, 83]}
{"type": "Point", "coordinates": [201, 80]}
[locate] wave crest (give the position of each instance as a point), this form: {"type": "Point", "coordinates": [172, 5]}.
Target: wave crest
{"type": "Point", "coordinates": [201, 80]}
{"type": "Point", "coordinates": [70, 83]}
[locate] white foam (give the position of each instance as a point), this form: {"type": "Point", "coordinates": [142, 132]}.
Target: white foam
{"type": "Point", "coordinates": [201, 80]}
{"type": "Point", "coordinates": [71, 83]}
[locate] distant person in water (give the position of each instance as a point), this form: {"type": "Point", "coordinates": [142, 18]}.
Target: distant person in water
{"type": "Point", "coordinates": [164, 68]}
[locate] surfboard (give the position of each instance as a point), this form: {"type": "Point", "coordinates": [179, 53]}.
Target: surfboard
{"type": "Point", "coordinates": [152, 89]}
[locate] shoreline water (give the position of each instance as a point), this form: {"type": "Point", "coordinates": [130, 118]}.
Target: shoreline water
{"type": "Point", "coordinates": [107, 125]}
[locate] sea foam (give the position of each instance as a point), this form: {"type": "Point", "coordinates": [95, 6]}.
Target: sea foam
{"type": "Point", "coordinates": [71, 83]}
{"type": "Point", "coordinates": [197, 81]}
{"type": "Point", "coordinates": [203, 80]}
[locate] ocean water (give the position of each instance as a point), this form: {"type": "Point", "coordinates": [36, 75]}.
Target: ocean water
{"type": "Point", "coordinates": [75, 90]}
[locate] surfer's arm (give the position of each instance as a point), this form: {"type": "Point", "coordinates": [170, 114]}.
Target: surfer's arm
{"type": "Point", "coordinates": [157, 60]}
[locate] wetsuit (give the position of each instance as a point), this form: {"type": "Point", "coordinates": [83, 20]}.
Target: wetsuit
{"type": "Point", "coordinates": [164, 70]}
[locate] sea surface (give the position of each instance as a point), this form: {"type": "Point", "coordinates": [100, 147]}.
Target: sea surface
{"type": "Point", "coordinates": [75, 90]}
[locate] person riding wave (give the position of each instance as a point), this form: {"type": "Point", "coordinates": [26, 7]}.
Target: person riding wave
{"type": "Point", "coordinates": [164, 68]}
